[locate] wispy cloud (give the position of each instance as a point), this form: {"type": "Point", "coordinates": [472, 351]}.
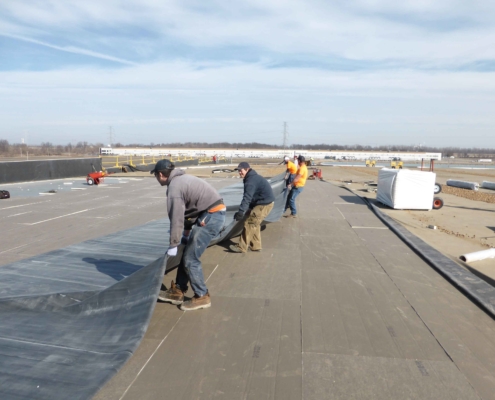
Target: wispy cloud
{"type": "Point", "coordinates": [70, 49]}
{"type": "Point", "coordinates": [407, 31]}
{"type": "Point", "coordinates": [343, 67]}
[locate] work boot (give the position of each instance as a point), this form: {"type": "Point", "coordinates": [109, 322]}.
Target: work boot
{"type": "Point", "coordinates": [197, 302]}
{"type": "Point", "coordinates": [235, 248]}
{"type": "Point", "coordinates": [173, 295]}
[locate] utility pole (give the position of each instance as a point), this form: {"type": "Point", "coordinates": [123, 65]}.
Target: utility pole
{"type": "Point", "coordinates": [286, 136]}
{"type": "Point", "coordinates": [110, 136]}
{"type": "Point", "coordinates": [26, 134]}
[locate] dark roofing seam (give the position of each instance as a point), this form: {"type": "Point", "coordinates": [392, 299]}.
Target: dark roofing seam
{"type": "Point", "coordinates": [473, 287]}
{"type": "Point", "coordinates": [476, 289]}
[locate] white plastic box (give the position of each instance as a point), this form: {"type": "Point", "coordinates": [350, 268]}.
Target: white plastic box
{"type": "Point", "coordinates": [403, 189]}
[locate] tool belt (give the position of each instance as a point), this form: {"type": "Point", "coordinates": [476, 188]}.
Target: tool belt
{"type": "Point", "coordinates": [215, 207]}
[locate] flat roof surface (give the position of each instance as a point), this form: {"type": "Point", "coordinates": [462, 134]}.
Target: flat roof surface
{"type": "Point", "coordinates": [334, 307]}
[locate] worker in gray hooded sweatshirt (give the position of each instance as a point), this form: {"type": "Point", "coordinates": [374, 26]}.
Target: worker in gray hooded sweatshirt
{"type": "Point", "coordinates": [197, 214]}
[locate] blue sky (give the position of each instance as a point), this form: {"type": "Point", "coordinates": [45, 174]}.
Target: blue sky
{"type": "Point", "coordinates": [346, 71]}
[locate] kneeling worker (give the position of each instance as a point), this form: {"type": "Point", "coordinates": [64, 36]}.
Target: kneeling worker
{"type": "Point", "coordinates": [257, 203]}
{"type": "Point", "coordinates": [197, 214]}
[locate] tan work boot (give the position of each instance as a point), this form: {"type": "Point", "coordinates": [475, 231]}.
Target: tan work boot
{"type": "Point", "coordinates": [173, 295]}
{"type": "Point", "coordinates": [196, 303]}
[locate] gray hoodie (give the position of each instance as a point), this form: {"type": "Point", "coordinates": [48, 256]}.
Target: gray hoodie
{"type": "Point", "coordinates": [188, 196]}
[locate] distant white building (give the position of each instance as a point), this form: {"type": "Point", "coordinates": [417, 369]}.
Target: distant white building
{"type": "Point", "coordinates": [277, 154]}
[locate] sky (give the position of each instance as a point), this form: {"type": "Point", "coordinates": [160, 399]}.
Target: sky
{"type": "Point", "coordinates": [369, 72]}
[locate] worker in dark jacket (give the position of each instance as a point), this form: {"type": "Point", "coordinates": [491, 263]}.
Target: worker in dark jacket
{"type": "Point", "coordinates": [256, 204]}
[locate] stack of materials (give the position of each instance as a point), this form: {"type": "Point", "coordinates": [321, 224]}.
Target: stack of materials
{"type": "Point", "coordinates": [404, 189]}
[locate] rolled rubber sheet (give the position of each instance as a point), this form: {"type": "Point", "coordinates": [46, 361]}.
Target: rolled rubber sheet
{"type": "Point", "coordinates": [71, 318]}
{"type": "Point", "coordinates": [463, 184]}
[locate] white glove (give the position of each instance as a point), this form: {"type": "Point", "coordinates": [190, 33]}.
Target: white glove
{"type": "Point", "coordinates": [172, 251]}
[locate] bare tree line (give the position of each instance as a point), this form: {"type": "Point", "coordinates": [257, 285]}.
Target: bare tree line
{"type": "Point", "coordinates": [48, 149]}
{"type": "Point", "coordinates": [85, 148]}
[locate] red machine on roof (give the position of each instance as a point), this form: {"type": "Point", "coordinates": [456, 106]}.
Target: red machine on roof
{"type": "Point", "coordinates": [95, 178]}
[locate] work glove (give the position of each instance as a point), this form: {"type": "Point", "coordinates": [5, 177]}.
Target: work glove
{"type": "Point", "coordinates": [172, 251]}
{"type": "Point", "coordinates": [238, 215]}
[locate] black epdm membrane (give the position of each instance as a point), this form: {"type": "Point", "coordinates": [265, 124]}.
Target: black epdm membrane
{"type": "Point", "coordinates": [69, 322]}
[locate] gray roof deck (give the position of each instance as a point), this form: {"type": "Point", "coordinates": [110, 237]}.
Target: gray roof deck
{"type": "Point", "coordinates": [336, 306]}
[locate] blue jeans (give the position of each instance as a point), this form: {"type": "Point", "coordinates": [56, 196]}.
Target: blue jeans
{"type": "Point", "coordinates": [291, 199]}
{"type": "Point", "coordinates": [190, 269]}
{"type": "Point", "coordinates": [289, 179]}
